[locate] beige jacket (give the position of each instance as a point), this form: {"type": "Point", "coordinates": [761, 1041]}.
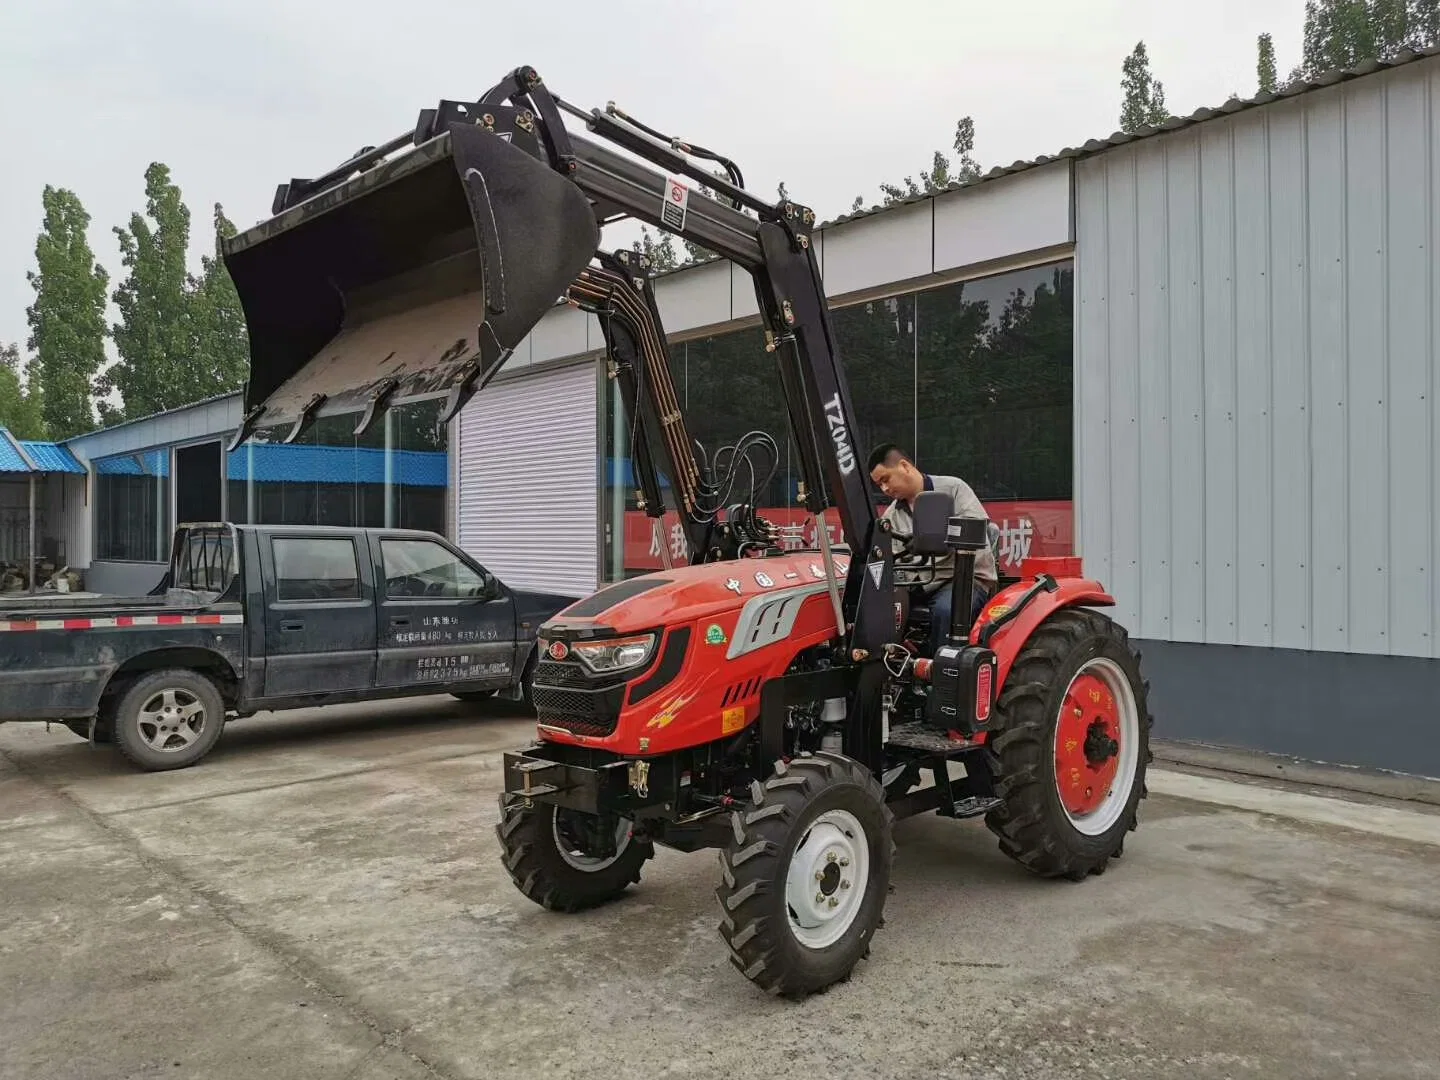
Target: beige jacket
{"type": "Point", "coordinates": [942, 569]}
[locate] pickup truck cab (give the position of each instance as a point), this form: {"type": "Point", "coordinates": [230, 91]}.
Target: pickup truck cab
{"type": "Point", "coordinates": [252, 617]}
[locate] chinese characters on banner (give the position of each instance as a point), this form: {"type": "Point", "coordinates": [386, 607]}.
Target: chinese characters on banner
{"type": "Point", "coordinates": [1027, 529]}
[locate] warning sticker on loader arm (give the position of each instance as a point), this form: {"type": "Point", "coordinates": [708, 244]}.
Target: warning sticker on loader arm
{"type": "Point", "coordinates": [675, 203]}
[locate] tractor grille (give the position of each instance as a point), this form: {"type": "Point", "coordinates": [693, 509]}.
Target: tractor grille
{"type": "Point", "coordinates": [569, 697]}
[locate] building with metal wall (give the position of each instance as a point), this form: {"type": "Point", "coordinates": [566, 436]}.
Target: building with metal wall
{"type": "Point", "coordinates": [1201, 357]}
{"type": "Point", "coordinates": [1257, 416]}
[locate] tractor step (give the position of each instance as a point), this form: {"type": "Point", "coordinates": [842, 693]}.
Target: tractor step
{"type": "Point", "coordinates": [973, 806]}
{"type": "Point", "coordinates": [926, 738]}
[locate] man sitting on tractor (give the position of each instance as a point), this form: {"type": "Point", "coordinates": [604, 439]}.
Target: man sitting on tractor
{"type": "Point", "coordinates": [897, 477]}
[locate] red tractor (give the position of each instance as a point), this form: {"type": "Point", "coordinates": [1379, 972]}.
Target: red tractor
{"type": "Point", "coordinates": [772, 703]}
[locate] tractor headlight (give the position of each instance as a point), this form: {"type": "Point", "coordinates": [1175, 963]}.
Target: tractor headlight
{"type": "Point", "coordinates": [618, 654]}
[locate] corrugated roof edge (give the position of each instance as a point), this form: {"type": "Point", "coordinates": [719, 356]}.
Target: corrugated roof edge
{"type": "Point", "coordinates": [164, 412]}
{"type": "Point", "coordinates": [1297, 88]}
{"type": "Point", "coordinates": [20, 452]}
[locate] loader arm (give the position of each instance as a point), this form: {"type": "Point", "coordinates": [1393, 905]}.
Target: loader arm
{"type": "Point", "coordinates": [365, 286]}
{"type": "Point", "coordinates": [620, 294]}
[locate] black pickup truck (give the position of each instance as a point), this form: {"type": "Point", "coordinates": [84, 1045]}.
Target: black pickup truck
{"type": "Point", "coordinates": [267, 617]}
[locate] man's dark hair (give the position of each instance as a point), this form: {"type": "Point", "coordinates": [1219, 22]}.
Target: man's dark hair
{"type": "Point", "coordinates": [885, 454]}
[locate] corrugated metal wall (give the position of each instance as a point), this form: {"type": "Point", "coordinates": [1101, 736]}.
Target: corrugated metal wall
{"type": "Point", "coordinates": [1256, 381]}
{"type": "Point", "coordinates": [527, 497]}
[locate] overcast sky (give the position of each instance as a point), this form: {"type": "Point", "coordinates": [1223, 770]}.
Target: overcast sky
{"type": "Point", "coordinates": [832, 97]}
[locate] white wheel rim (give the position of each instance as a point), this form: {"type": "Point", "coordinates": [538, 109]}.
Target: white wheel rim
{"type": "Point", "coordinates": [577, 859]}
{"type": "Point", "coordinates": [827, 879]}
{"type": "Point", "coordinates": [1126, 715]}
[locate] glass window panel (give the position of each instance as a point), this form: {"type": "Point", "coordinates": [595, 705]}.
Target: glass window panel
{"type": "Point", "coordinates": [330, 477]}
{"type": "Point", "coordinates": [995, 383]}
{"type": "Point", "coordinates": [422, 568]}
{"type": "Point", "coordinates": [877, 348]}
{"type": "Point", "coordinates": [132, 507]}
{"type": "Point", "coordinates": [310, 568]}
{"type": "Point", "coordinates": [420, 469]}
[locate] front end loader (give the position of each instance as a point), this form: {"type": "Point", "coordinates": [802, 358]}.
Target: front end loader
{"type": "Point", "coordinates": [773, 704]}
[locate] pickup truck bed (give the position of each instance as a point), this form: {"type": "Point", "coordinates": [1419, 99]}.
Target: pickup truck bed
{"type": "Point", "coordinates": [267, 617]}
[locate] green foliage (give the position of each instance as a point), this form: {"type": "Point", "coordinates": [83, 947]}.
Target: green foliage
{"type": "Point", "coordinates": [1144, 101]}
{"type": "Point", "coordinates": [1265, 65]}
{"type": "Point", "coordinates": [152, 336]}
{"type": "Point", "coordinates": [1344, 33]}
{"type": "Point", "coordinates": [220, 342]}
{"type": "Point", "coordinates": [67, 317]}
{"type": "Point", "coordinates": [941, 174]}
{"type": "Point", "coordinates": [21, 399]}
{"type": "Point", "coordinates": [181, 338]}
{"type": "Point", "coordinates": [661, 252]}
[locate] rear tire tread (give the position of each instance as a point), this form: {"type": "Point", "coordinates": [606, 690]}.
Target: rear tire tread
{"type": "Point", "coordinates": [1030, 825]}
{"type": "Point", "coordinates": [534, 863]}
{"type": "Point", "coordinates": [751, 870]}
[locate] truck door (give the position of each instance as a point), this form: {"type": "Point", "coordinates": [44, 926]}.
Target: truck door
{"type": "Point", "coordinates": [443, 619]}
{"type": "Point", "coordinates": [320, 618]}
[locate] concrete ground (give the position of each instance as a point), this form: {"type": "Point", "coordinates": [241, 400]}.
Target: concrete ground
{"type": "Point", "coordinates": [321, 898]}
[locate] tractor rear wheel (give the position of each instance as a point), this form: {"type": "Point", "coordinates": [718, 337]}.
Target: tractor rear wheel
{"type": "Point", "coordinates": [806, 873]}
{"type": "Point", "coordinates": [565, 860]}
{"type": "Point", "coordinates": [1070, 746]}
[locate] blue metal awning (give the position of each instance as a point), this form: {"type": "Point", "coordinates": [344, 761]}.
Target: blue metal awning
{"type": "Point", "coordinates": [34, 456]}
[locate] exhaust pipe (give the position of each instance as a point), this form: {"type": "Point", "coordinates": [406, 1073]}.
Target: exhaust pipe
{"type": "Point", "coordinates": [418, 275]}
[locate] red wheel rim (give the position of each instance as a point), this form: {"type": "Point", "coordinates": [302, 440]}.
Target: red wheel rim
{"type": "Point", "coordinates": [1087, 745]}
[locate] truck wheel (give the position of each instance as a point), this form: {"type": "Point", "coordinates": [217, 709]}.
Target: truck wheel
{"type": "Point", "coordinates": [565, 860]}
{"type": "Point", "coordinates": [169, 719]}
{"type": "Point", "coordinates": [1071, 745]}
{"type": "Point", "coordinates": [805, 876]}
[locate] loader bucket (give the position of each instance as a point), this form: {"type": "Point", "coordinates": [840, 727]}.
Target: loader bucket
{"type": "Point", "coordinates": [419, 275]}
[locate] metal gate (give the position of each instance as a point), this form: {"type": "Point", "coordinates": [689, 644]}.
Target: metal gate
{"type": "Point", "coordinates": [526, 503]}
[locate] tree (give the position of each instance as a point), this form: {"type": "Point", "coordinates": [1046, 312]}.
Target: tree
{"type": "Point", "coordinates": [1344, 33]}
{"type": "Point", "coordinates": [21, 400]}
{"type": "Point", "coordinates": [1265, 65]}
{"type": "Point", "coordinates": [941, 173]}
{"type": "Point", "coordinates": [1144, 102]}
{"type": "Point", "coordinates": [153, 336]}
{"type": "Point", "coordinates": [220, 347]}
{"type": "Point", "coordinates": [661, 252]}
{"type": "Point", "coordinates": [67, 317]}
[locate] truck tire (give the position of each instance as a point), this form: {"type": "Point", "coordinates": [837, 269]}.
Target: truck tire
{"type": "Point", "coordinates": [1070, 747]}
{"type": "Point", "coordinates": [548, 863]}
{"type": "Point", "coordinates": [806, 874]}
{"type": "Point", "coordinates": [169, 719]}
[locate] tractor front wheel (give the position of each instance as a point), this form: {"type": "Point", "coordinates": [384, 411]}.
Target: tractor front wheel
{"type": "Point", "coordinates": [806, 873]}
{"type": "Point", "coordinates": [1070, 747]}
{"type": "Point", "coordinates": [565, 860]}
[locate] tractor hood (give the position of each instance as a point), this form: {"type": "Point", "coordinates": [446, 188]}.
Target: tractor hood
{"type": "Point", "coordinates": [690, 593]}
{"type": "Point", "coordinates": [418, 275]}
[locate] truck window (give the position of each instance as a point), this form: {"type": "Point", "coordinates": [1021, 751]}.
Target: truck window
{"type": "Point", "coordinates": [315, 568]}
{"type": "Point", "coordinates": [424, 568]}
{"type": "Point", "coordinates": [205, 561]}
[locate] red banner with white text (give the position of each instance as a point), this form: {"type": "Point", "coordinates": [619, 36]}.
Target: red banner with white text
{"type": "Point", "coordinates": [1027, 530]}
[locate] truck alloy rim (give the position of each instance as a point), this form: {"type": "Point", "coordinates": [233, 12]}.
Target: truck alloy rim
{"type": "Point", "coordinates": [170, 720]}
{"type": "Point", "coordinates": [569, 841]}
{"type": "Point", "coordinates": [1096, 742]}
{"type": "Point", "coordinates": [828, 875]}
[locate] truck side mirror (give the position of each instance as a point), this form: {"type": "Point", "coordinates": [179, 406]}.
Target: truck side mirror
{"type": "Point", "coordinates": [932, 521]}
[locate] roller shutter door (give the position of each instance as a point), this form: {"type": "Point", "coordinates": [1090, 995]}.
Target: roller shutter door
{"type": "Point", "coordinates": [526, 499]}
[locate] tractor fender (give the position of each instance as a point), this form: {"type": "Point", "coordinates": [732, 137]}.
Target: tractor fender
{"type": "Point", "coordinates": [1010, 638]}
